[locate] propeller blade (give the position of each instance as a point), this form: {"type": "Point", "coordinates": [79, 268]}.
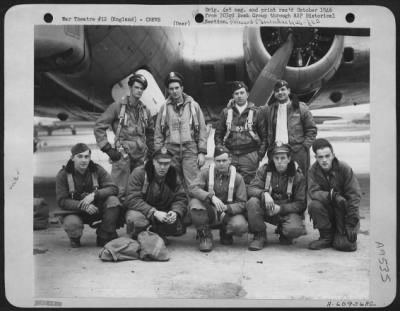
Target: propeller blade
{"type": "Point", "coordinates": [272, 71]}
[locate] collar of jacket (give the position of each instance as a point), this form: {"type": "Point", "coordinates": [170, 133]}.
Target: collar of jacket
{"type": "Point", "coordinates": [70, 168]}
{"type": "Point", "coordinates": [293, 100]}
{"type": "Point", "coordinates": [290, 171]}
{"type": "Point", "coordinates": [170, 177]}
{"type": "Point", "coordinates": [186, 99]}
{"type": "Point", "coordinates": [250, 105]}
{"type": "Point", "coordinates": [224, 174]}
{"type": "Point", "coordinates": [334, 168]}
{"type": "Point", "coordinates": [138, 104]}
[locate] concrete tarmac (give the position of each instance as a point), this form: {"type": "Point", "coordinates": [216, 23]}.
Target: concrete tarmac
{"type": "Point", "coordinates": [228, 272]}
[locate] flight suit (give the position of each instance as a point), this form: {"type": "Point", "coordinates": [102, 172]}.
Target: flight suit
{"type": "Point", "coordinates": [136, 138]}
{"type": "Point", "coordinates": [176, 130]}
{"type": "Point", "coordinates": [204, 213]}
{"type": "Point", "coordinates": [247, 150]}
{"type": "Point", "coordinates": [325, 214]}
{"type": "Point", "coordinates": [105, 200]}
{"type": "Point", "coordinates": [301, 131]}
{"type": "Point", "coordinates": [160, 194]}
{"type": "Point", "coordinates": [290, 219]}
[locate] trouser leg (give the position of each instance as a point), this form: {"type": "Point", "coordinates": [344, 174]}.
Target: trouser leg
{"type": "Point", "coordinates": [255, 215]}
{"type": "Point", "coordinates": [302, 157]}
{"type": "Point", "coordinates": [341, 243]}
{"type": "Point", "coordinates": [120, 172]}
{"type": "Point", "coordinates": [185, 162]}
{"type": "Point", "coordinates": [246, 165]}
{"type": "Point", "coordinates": [136, 222]}
{"type": "Point", "coordinates": [340, 240]}
{"type": "Point", "coordinates": [235, 225]}
{"type": "Point", "coordinates": [190, 169]}
{"type": "Point", "coordinates": [324, 220]}
{"type": "Point", "coordinates": [322, 215]}
{"type": "Point", "coordinates": [110, 216]}
{"type": "Point", "coordinates": [292, 226]}
{"type": "Point", "coordinates": [201, 214]}
{"type": "Point", "coordinates": [73, 226]}
{"type": "Point", "coordinates": [232, 225]}
{"type": "Point", "coordinates": [165, 229]}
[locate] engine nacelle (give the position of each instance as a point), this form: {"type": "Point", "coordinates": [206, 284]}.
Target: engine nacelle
{"type": "Point", "coordinates": [61, 48]}
{"type": "Point", "coordinates": [316, 56]}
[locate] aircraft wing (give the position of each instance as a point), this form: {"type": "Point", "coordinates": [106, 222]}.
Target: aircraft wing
{"type": "Point", "coordinates": [80, 70]}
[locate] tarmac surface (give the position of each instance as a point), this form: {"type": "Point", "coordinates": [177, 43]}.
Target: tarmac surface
{"type": "Point", "coordinates": [230, 275]}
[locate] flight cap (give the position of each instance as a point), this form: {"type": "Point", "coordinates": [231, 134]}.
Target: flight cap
{"type": "Point", "coordinates": [238, 85]}
{"type": "Point", "coordinates": [220, 150]}
{"type": "Point", "coordinates": [138, 78]}
{"type": "Point", "coordinates": [279, 84]}
{"type": "Point", "coordinates": [279, 147]}
{"type": "Point", "coordinates": [162, 153]}
{"type": "Point", "coordinates": [174, 76]}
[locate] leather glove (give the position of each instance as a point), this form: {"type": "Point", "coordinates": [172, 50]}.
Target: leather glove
{"type": "Point", "coordinates": [114, 154]}
{"type": "Point", "coordinates": [351, 233]}
{"type": "Point", "coordinates": [340, 201]}
{"type": "Point", "coordinates": [337, 198]}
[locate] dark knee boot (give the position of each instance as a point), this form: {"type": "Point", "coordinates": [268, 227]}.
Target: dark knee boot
{"type": "Point", "coordinates": [284, 240]}
{"type": "Point", "coordinates": [75, 242]}
{"type": "Point", "coordinates": [104, 237]}
{"type": "Point", "coordinates": [325, 240]}
{"type": "Point", "coordinates": [225, 238]}
{"type": "Point", "coordinates": [205, 239]}
{"type": "Point", "coordinates": [258, 241]}
{"type": "Point", "coordinates": [107, 230]}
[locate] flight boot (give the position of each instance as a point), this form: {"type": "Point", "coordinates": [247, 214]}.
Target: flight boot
{"type": "Point", "coordinates": [284, 240]}
{"type": "Point", "coordinates": [75, 242]}
{"type": "Point", "coordinates": [104, 237]}
{"type": "Point", "coordinates": [258, 242]}
{"type": "Point", "coordinates": [225, 238]}
{"type": "Point", "coordinates": [325, 240]}
{"type": "Point", "coordinates": [205, 239]}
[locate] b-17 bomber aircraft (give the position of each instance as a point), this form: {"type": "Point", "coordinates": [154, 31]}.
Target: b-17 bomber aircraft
{"type": "Point", "coordinates": [80, 70]}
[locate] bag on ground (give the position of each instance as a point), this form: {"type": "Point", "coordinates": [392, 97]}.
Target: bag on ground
{"type": "Point", "coordinates": [120, 249]}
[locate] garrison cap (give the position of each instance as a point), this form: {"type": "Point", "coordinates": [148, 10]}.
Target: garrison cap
{"type": "Point", "coordinates": [174, 76]}
{"type": "Point", "coordinates": [220, 150]}
{"type": "Point", "coordinates": [238, 85]}
{"type": "Point", "coordinates": [279, 84]}
{"type": "Point", "coordinates": [279, 147]}
{"type": "Point", "coordinates": [162, 153]}
{"type": "Point", "coordinates": [138, 78]}
{"type": "Point", "coordinates": [79, 148]}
